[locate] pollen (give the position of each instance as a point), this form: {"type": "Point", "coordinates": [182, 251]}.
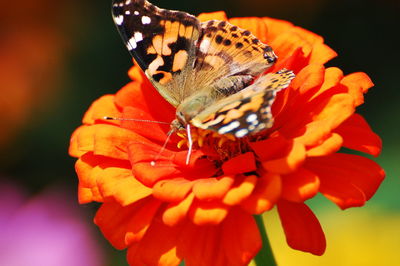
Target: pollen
{"type": "Point", "coordinates": [202, 137]}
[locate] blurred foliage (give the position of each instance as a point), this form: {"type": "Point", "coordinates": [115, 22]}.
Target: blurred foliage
{"type": "Point", "coordinates": [63, 55]}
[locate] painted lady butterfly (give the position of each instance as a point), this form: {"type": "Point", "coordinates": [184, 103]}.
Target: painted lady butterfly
{"type": "Point", "coordinates": [205, 69]}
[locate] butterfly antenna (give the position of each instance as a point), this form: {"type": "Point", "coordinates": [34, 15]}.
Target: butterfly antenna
{"type": "Point", "coordinates": [134, 119]}
{"type": "Point", "coordinates": [190, 142]}
{"type": "Point", "coordinates": [153, 163]}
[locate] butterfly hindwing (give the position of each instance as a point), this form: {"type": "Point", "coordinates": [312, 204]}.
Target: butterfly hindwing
{"type": "Point", "coordinates": [248, 111]}
{"type": "Point", "coordinates": [161, 41]}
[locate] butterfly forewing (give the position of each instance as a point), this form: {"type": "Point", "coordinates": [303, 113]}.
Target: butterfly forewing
{"type": "Point", "coordinates": [248, 111]}
{"type": "Point", "coordinates": [161, 41]}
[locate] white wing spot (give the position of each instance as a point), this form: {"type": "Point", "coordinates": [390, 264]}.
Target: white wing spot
{"type": "Point", "coordinates": [241, 133]}
{"type": "Point", "coordinates": [251, 118]}
{"type": "Point", "coordinates": [127, 12]}
{"type": "Point", "coordinates": [229, 127]}
{"type": "Point", "coordinates": [138, 36]}
{"type": "Point", "coordinates": [127, 2]}
{"type": "Point", "coordinates": [146, 20]}
{"type": "Point", "coordinates": [119, 20]}
{"type": "Point", "coordinates": [204, 45]}
{"type": "Point", "coordinates": [131, 44]}
{"type": "Point", "coordinates": [136, 13]}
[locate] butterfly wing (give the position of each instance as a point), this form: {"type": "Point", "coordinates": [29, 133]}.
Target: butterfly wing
{"type": "Point", "coordinates": [163, 43]}
{"type": "Point", "coordinates": [226, 51]}
{"type": "Point", "coordinates": [248, 111]}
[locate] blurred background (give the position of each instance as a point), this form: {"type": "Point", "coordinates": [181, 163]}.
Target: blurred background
{"type": "Point", "coordinates": [56, 57]}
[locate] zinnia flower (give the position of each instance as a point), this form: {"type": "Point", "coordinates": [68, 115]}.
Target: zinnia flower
{"type": "Point", "coordinates": [203, 212]}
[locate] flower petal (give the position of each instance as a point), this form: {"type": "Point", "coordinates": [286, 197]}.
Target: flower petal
{"type": "Point", "coordinates": [300, 185]}
{"type": "Point", "coordinates": [212, 188]}
{"type": "Point", "coordinates": [87, 188]}
{"type": "Point", "coordinates": [328, 146]}
{"type": "Point", "coordinates": [116, 221]}
{"type": "Point", "coordinates": [218, 15]}
{"type": "Point", "coordinates": [288, 163]}
{"type": "Point", "coordinates": [302, 229]}
{"type": "Point", "coordinates": [265, 195]}
{"type": "Point", "coordinates": [239, 193]}
{"type": "Point", "coordinates": [255, 25]}
{"type": "Point", "coordinates": [240, 237]}
{"type": "Point", "coordinates": [347, 180]}
{"type": "Point", "coordinates": [207, 213]}
{"type": "Point", "coordinates": [357, 135]}
{"type": "Point", "coordinates": [176, 212]}
{"type": "Point", "coordinates": [104, 106]}
{"type": "Point", "coordinates": [172, 190]}
{"type": "Point", "coordinates": [357, 84]}
{"type": "Point", "coordinates": [118, 182]}
{"type": "Point", "coordinates": [240, 164]}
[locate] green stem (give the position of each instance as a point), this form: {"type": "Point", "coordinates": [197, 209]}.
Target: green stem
{"type": "Point", "coordinates": [265, 257]}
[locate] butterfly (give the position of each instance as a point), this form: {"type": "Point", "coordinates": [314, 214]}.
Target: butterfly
{"type": "Point", "coordinates": [210, 71]}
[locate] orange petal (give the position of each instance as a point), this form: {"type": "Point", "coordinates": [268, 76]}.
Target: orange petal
{"type": "Point", "coordinates": [157, 247]}
{"type": "Point", "coordinates": [335, 110]}
{"type": "Point", "coordinates": [239, 193]}
{"type": "Point", "coordinates": [141, 220]}
{"type": "Point", "coordinates": [201, 245]}
{"type": "Point", "coordinates": [176, 212]}
{"type": "Point", "coordinates": [330, 145]}
{"type": "Point", "coordinates": [271, 148]}
{"type": "Point", "coordinates": [357, 84]}
{"type": "Point", "coordinates": [321, 53]}
{"type": "Point", "coordinates": [218, 15]}
{"type": "Point", "coordinates": [87, 188]}
{"type": "Point", "coordinates": [309, 78]}
{"type": "Point", "coordinates": [302, 229]}
{"type": "Point", "coordinates": [241, 239]}
{"type": "Point", "coordinates": [112, 141]}
{"type": "Point", "coordinates": [145, 97]}
{"type": "Point", "coordinates": [73, 149]}
{"type": "Point", "coordinates": [357, 135]}
{"type": "Point", "coordinates": [332, 78]}
{"type": "Point", "coordinates": [172, 190]}
{"type": "Point", "coordinates": [300, 185]}
{"type": "Point", "coordinates": [276, 27]}
{"type": "Point", "coordinates": [207, 213]}
{"type": "Point", "coordinates": [104, 106]}
{"type": "Point", "coordinates": [347, 180]}
{"type": "Point", "coordinates": [119, 183]}
{"type": "Point", "coordinates": [255, 25]}
{"type": "Point", "coordinates": [265, 195]}
{"type": "Point", "coordinates": [115, 221]}
{"type": "Point", "coordinates": [289, 163]}
{"type": "Point", "coordinates": [212, 188]}
{"type": "Point", "coordinates": [286, 43]}
{"type": "Point", "coordinates": [136, 74]}
{"type": "Point", "coordinates": [240, 164]}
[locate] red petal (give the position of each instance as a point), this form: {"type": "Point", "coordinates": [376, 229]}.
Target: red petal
{"type": "Point", "coordinates": [241, 239]}
{"type": "Point", "coordinates": [271, 148]}
{"type": "Point", "coordinates": [302, 229]}
{"type": "Point", "coordinates": [300, 185]}
{"type": "Point", "coordinates": [347, 180]}
{"type": "Point", "coordinates": [357, 135]}
{"type": "Point", "coordinates": [240, 164]}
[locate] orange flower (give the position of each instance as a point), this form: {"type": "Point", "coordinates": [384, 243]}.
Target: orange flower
{"type": "Point", "coordinates": [202, 212]}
